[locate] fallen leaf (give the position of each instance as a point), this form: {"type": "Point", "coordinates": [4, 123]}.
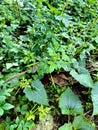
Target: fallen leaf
{"type": "Point", "coordinates": [59, 79]}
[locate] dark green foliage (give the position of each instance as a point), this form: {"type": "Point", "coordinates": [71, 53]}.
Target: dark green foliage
{"type": "Point", "coordinates": [39, 37]}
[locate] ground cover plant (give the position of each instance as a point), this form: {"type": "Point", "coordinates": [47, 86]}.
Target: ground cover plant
{"type": "Point", "coordinates": [49, 64]}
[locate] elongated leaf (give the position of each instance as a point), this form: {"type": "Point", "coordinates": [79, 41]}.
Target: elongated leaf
{"type": "Point", "coordinates": [37, 93]}
{"type": "Point", "coordinates": [82, 123]}
{"type": "Point", "coordinates": [7, 106]}
{"type": "Point", "coordinates": [83, 77]}
{"type": "Point", "coordinates": [66, 127]}
{"type": "Point", "coordinates": [70, 103]}
{"type": "Point", "coordinates": [94, 95]}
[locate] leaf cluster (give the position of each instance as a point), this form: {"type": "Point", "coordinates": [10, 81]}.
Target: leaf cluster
{"type": "Point", "coordinates": [39, 37]}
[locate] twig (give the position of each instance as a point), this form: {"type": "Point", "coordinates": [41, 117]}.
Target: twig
{"type": "Point", "coordinates": [22, 73]}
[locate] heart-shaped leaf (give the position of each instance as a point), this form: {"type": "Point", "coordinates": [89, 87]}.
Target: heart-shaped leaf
{"type": "Point", "coordinates": [36, 93]}
{"type": "Point", "coordinates": [70, 103]}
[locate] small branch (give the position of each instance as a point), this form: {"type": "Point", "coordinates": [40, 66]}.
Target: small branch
{"type": "Point", "coordinates": [22, 73]}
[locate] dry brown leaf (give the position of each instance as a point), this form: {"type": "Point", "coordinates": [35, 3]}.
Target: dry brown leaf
{"type": "Point", "coordinates": [59, 79]}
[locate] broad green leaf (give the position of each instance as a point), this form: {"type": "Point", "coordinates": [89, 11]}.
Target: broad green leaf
{"type": "Point", "coordinates": [82, 123]}
{"type": "Point", "coordinates": [94, 95]}
{"type": "Point", "coordinates": [7, 106]}
{"type": "Point", "coordinates": [1, 111]}
{"type": "Point", "coordinates": [69, 103]}
{"type": "Point", "coordinates": [66, 127]}
{"type": "Point", "coordinates": [83, 77]}
{"type": "Point", "coordinates": [37, 93]}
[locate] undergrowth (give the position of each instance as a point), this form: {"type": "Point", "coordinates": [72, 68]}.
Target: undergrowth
{"type": "Point", "coordinates": [46, 48]}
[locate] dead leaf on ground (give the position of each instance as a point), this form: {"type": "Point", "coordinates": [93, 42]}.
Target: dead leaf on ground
{"type": "Point", "coordinates": [59, 79]}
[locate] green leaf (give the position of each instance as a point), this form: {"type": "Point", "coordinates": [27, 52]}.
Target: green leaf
{"type": "Point", "coordinates": [17, 120]}
{"type": "Point", "coordinates": [94, 95]}
{"type": "Point", "coordinates": [37, 93]}
{"type": "Point", "coordinates": [92, 1]}
{"type": "Point", "coordinates": [9, 65]}
{"type": "Point", "coordinates": [66, 127]}
{"type": "Point", "coordinates": [70, 103]}
{"type": "Point", "coordinates": [1, 111]}
{"type": "Point", "coordinates": [2, 126]}
{"type": "Point", "coordinates": [7, 106]}
{"type": "Point", "coordinates": [2, 98]}
{"type": "Point", "coordinates": [13, 127]}
{"type": "Point", "coordinates": [52, 9]}
{"type": "Point", "coordinates": [64, 34]}
{"type": "Point", "coordinates": [82, 123]}
{"type": "Point", "coordinates": [83, 77]}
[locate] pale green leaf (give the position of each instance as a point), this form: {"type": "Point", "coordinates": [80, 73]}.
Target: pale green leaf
{"type": "Point", "coordinates": [7, 106]}
{"type": "Point", "coordinates": [9, 65]}
{"type": "Point", "coordinates": [70, 103]}
{"type": "Point", "coordinates": [66, 127]}
{"type": "Point", "coordinates": [82, 123]}
{"type": "Point", "coordinates": [83, 77]}
{"type": "Point", "coordinates": [94, 95]}
{"type": "Point", "coordinates": [37, 93]}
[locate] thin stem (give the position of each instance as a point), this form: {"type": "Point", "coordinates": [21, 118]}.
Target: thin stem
{"type": "Point", "coordinates": [68, 118]}
{"type": "Point", "coordinates": [20, 74]}
{"type": "Point", "coordinates": [52, 81]}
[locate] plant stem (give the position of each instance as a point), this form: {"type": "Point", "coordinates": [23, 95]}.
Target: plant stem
{"type": "Point", "coordinates": [68, 118]}
{"type": "Point", "coordinates": [20, 74]}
